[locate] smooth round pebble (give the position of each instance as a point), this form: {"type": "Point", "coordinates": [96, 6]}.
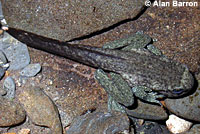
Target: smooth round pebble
{"type": "Point", "coordinates": [31, 70]}
{"type": "Point", "coordinates": [41, 109]}
{"type": "Point", "coordinates": [9, 86]}
{"type": "Point", "coordinates": [177, 125]}
{"type": "Point", "coordinates": [11, 113]}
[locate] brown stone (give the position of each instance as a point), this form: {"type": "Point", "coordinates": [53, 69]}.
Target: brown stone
{"type": "Point", "coordinates": [41, 109]}
{"type": "Point", "coordinates": [67, 19]}
{"type": "Point", "coordinates": [11, 113]}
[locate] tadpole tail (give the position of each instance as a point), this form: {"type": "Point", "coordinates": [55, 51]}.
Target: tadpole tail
{"type": "Point", "coordinates": [40, 42]}
{"type": "Point", "coordinates": [88, 55]}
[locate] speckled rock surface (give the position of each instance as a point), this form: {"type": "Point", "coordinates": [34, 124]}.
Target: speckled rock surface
{"type": "Point", "coordinates": [68, 19]}
{"type": "Point", "coordinates": [100, 123]}
{"type": "Point", "coordinates": [11, 113]}
{"type": "Point", "coordinates": [41, 109]}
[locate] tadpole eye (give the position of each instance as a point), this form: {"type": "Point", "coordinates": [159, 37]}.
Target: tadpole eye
{"type": "Point", "coordinates": [175, 91]}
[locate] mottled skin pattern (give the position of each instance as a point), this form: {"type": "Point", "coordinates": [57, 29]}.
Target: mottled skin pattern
{"type": "Point", "coordinates": [118, 90]}
{"type": "Point", "coordinates": [139, 67]}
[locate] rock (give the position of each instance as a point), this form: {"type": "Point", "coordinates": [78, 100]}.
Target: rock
{"type": "Point", "coordinates": [11, 113]}
{"type": "Point", "coordinates": [9, 86]}
{"type": "Point", "coordinates": [5, 41]}
{"type": "Point", "coordinates": [187, 107]}
{"type": "Point", "coordinates": [24, 131]}
{"type": "Point", "coordinates": [3, 64]}
{"type": "Point", "coordinates": [3, 21]}
{"type": "Point", "coordinates": [177, 125]}
{"type": "Point", "coordinates": [66, 119]}
{"type": "Point", "coordinates": [3, 58]}
{"type": "Point", "coordinates": [65, 20]}
{"type": "Point", "coordinates": [147, 111]}
{"type": "Point", "coordinates": [1, 13]}
{"type": "Point", "coordinates": [194, 130]}
{"type": "Point", "coordinates": [41, 109]}
{"type": "Point", "coordinates": [31, 70]}
{"type": "Point", "coordinates": [149, 127]}
{"type": "Point", "coordinates": [100, 123]}
{"type": "Point", "coordinates": [18, 56]}
{"type": "Point", "coordinates": [2, 72]}
{"type": "Point", "coordinates": [15, 51]}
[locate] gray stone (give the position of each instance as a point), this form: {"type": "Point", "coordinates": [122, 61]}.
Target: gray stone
{"type": "Point", "coordinates": [9, 86]}
{"type": "Point", "coordinates": [66, 19]}
{"type": "Point", "coordinates": [147, 111]}
{"type": "Point", "coordinates": [187, 107]}
{"type": "Point", "coordinates": [15, 51]}
{"type": "Point", "coordinates": [11, 113]}
{"type": "Point", "coordinates": [100, 123]}
{"type": "Point", "coordinates": [149, 127]}
{"type": "Point", "coordinates": [31, 70]}
{"type": "Point", "coordinates": [1, 12]}
{"type": "Point", "coordinates": [2, 72]}
{"type": "Point", "coordinates": [18, 56]}
{"type": "Point", "coordinates": [3, 63]}
{"type": "Point", "coordinates": [194, 130]}
{"type": "Point", "coordinates": [6, 41]}
{"type": "Point", "coordinates": [41, 109]}
{"type": "Point", "coordinates": [3, 58]}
